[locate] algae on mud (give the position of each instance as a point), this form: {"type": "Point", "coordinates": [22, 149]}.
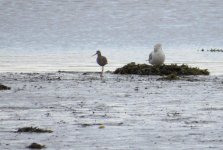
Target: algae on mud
{"type": "Point", "coordinates": [170, 77]}
{"type": "Point", "coordinates": [34, 129]}
{"type": "Point", "coordinates": [144, 69]}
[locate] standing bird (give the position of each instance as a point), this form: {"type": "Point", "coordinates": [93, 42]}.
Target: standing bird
{"type": "Point", "coordinates": [101, 60]}
{"type": "Point", "coordinates": [157, 57]}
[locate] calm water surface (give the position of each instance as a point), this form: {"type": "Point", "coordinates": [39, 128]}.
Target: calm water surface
{"type": "Point", "coordinates": [52, 35]}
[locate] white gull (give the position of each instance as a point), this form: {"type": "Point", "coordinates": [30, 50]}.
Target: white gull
{"type": "Point", "coordinates": [157, 57]}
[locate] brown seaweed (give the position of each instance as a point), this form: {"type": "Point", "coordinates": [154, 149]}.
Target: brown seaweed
{"type": "Point", "coordinates": [144, 69]}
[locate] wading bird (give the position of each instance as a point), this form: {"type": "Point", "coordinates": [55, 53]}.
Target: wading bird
{"type": "Point", "coordinates": [157, 57]}
{"type": "Point", "coordinates": [101, 60]}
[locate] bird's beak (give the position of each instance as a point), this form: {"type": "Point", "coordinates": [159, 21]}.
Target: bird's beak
{"type": "Point", "coordinates": [94, 55]}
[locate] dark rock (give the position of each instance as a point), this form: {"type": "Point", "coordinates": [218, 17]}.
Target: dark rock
{"type": "Point", "coordinates": [36, 146]}
{"type": "Point", "coordinates": [3, 87]}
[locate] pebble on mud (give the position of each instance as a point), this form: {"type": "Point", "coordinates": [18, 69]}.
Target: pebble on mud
{"type": "Point", "coordinates": [101, 127]}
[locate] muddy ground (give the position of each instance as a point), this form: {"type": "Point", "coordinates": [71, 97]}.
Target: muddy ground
{"type": "Point", "coordinates": [116, 113]}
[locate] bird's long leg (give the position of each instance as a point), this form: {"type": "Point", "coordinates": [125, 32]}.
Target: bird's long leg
{"type": "Point", "coordinates": [102, 70]}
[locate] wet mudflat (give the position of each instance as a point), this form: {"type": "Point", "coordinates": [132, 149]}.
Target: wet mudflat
{"type": "Point", "coordinates": [119, 112]}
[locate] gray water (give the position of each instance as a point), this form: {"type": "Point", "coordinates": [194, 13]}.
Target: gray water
{"type": "Point", "coordinates": [51, 35]}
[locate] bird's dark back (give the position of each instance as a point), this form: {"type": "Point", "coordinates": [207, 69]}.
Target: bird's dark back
{"type": "Point", "coordinates": [102, 61]}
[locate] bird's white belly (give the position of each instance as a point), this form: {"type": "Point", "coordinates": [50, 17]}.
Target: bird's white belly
{"type": "Point", "coordinates": [158, 59]}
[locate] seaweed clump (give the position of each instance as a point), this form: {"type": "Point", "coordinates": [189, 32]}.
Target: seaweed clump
{"type": "Point", "coordinates": [3, 87]}
{"type": "Point", "coordinates": [34, 129]}
{"type": "Point", "coordinates": [144, 69]}
{"type": "Point", "coordinates": [36, 146]}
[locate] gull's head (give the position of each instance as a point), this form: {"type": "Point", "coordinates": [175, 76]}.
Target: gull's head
{"type": "Point", "coordinates": [157, 47]}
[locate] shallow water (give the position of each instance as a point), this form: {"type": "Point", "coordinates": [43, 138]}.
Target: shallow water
{"type": "Point", "coordinates": [48, 35]}
{"type": "Point", "coordinates": [69, 61]}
